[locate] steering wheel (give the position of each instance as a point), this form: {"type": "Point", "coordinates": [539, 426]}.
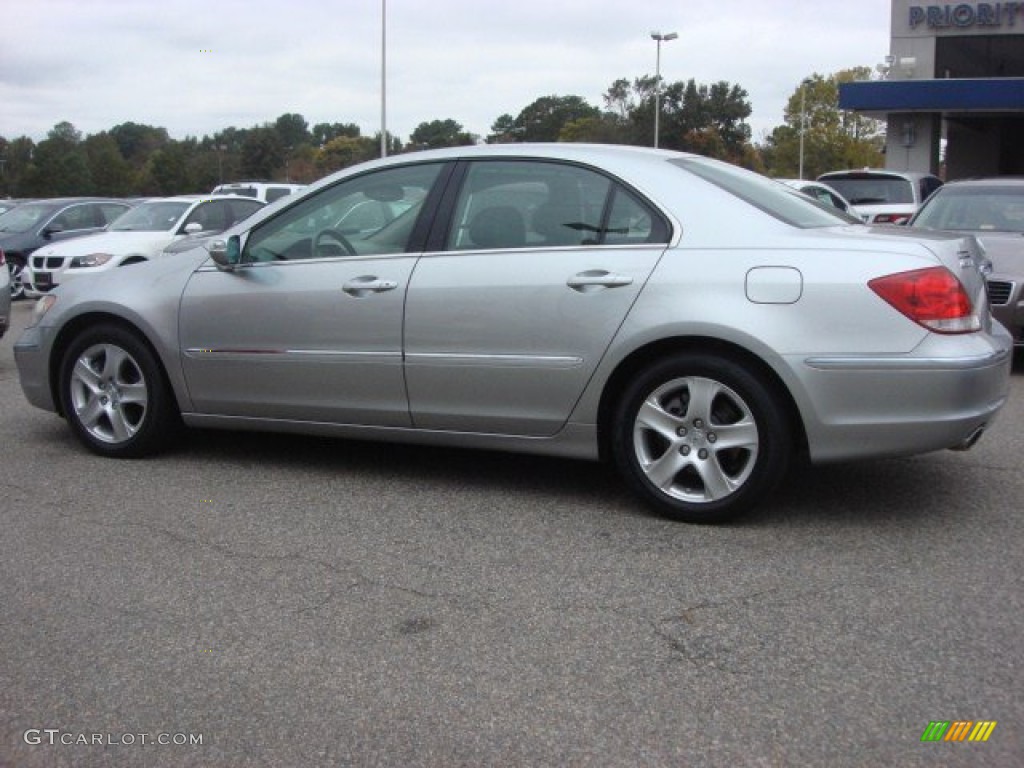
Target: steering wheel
{"type": "Point", "coordinates": [337, 237]}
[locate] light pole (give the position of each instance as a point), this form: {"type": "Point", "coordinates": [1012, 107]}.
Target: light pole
{"type": "Point", "coordinates": [383, 78]}
{"type": "Point", "coordinates": [803, 122]}
{"type": "Point", "coordinates": [659, 38]}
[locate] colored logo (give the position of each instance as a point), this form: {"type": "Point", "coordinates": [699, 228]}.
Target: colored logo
{"type": "Point", "coordinates": [958, 730]}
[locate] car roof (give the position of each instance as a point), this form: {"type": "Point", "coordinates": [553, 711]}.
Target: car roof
{"type": "Point", "coordinates": [865, 172]}
{"type": "Point", "coordinates": [1009, 182]}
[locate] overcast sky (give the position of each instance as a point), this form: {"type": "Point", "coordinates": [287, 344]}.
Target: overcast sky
{"type": "Point", "coordinates": [195, 67]}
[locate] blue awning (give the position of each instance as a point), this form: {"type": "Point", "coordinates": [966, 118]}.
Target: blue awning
{"type": "Point", "coordinates": [949, 95]}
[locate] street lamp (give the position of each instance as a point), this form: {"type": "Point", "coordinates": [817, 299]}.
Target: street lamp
{"type": "Point", "coordinates": [803, 121]}
{"type": "Point", "coordinates": [383, 78]}
{"type": "Point", "coordinates": [659, 38]}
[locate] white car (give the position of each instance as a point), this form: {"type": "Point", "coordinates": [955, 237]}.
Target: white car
{"type": "Point", "coordinates": [883, 196]}
{"type": "Point", "coordinates": [140, 234]}
{"type": "Point", "coordinates": [823, 193]}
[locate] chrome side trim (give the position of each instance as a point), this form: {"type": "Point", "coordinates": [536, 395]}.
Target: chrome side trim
{"type": "Point", "coordinates": [903, 363]}
{"type": "Point", "coordinates": [262, 354]}
{"type": "Point", "coordinates": [494, 361]}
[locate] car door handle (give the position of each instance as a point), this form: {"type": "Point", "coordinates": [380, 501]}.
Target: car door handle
{"type": "Point", "coordinates": [367, 284]}
{"type": "Point", "coordinates": [595, 279]}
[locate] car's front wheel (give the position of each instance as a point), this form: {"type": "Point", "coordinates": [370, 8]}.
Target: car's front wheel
{"type": "Point", "coordinates": [16, 268]}
{"type": "Point", "coordinates": [114, 394]}
{"type": "Point", "coordinates": [701, 438]}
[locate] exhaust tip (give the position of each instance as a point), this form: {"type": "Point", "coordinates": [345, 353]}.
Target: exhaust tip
{"type": "Point", "coordinates": [973, 438]}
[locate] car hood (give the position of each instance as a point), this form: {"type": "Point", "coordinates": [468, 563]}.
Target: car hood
{"type": "Point", "coordinates": [117, 243]}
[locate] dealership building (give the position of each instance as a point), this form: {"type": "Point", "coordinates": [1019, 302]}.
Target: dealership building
{"type": "Point", "coordinates": [954, 78]}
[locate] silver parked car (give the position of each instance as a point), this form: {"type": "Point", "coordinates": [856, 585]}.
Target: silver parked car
{"type": "Point", "coordinates": [993, 211]}
{"type": "Point", "coordinates": [695, 324]}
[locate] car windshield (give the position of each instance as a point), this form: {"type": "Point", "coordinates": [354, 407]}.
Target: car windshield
{"type": "Point", "coordinates": [24, 217]}
{"type": "Point", "coordinates": [868, 190]}
{"type": "Point", "coordinates": [780, 201]}
{"type": "Point", "coordinates": [974, 209]}
{"type": "Point", "coordinates": [151, 217]}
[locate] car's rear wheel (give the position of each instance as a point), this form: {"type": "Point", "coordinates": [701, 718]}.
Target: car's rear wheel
{"type": "Point", "coordinates": [701, 438]}
{"type": "Point", "coordinates": [114, 394]}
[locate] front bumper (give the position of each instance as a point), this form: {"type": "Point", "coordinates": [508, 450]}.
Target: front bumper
{"type": "Point", "coordinates": [30, 354]}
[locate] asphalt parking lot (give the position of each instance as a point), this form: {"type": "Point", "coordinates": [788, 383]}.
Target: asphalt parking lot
{"type": "Point", "coordinates": [274, 601]}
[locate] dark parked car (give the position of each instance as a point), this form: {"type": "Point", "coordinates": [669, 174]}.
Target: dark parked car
{"type": "Point", "coordinates": [33, 225]}
{"type": "Point", "coordinates": [993, 211]}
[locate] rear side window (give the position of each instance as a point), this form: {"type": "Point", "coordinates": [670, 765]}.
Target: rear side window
{"type": "Point", "coordinates": [508, 204]}
{"type": "Point", "coordinates": [776, 200]}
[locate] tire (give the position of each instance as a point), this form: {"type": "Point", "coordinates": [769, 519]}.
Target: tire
{"type": "Point", "coordinates": [16, 267]}
{"type": "Point", "coordinates": [114, 394]}
{"type": "Point", "coordinates": [700, 438]}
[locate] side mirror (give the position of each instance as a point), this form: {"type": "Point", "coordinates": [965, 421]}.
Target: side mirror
{"type": "Point", "coordinates": [193, 227]}
{"type": "Point", "coordinates": [226, 254]}
{"type": "Point", "coordinates": [52, 230]}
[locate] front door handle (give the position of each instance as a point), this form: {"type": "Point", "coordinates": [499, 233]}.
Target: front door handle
{"type": "Point", "coordinates": [367, 284]}
{"type": "Point", "coordinates": [596, 279]}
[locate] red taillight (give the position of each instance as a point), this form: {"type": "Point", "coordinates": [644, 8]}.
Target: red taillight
{"type": "Point", "coordinates": [932, 297]}
{"type": "Point", "coordinates": [2, 259]}
{"type": "Point", "coordinates": [892, 218]}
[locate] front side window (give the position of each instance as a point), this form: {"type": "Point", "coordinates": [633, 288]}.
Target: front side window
{"type": "Point", "coordinates": [360, 216]}
{"type": "Point", "coordinates": [151, 217]}
{"type": "Point", "coordinates": [77, 217]}
{"type": "Point", "coordinates": [507, 204]}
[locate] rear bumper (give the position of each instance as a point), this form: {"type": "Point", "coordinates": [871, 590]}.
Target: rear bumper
{"type": "Point", "coordinates": [893, 406]}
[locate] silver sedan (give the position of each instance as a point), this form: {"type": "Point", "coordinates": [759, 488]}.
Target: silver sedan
{"type": "Point", "coordinates": [696, 325]}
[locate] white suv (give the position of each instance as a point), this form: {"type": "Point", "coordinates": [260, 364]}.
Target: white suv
{"type": "Point", "coordinates": [268, 192]}
{"type": "Point", "coordinates": [882, 196]}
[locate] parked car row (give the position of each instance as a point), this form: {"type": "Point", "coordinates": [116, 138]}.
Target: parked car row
{"type": "Point", "coordinates": [141, 233]}
{"type": "Point", "coordinates": [698, 325]}
{"type": "Point", "coordinates": [46, 241]}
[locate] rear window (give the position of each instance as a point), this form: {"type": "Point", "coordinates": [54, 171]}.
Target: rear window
{"type": "Point", "coordinates": [784, 203]}
{"type": "Point", "coordinates": [872, 190]}
{"type": "Point", "coordinates": [974, 209]}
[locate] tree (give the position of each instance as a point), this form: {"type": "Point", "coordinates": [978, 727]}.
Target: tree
{"type": "Point", "coordinates": [138, 142]}
{"type": "Point", "coordinates": [168, 173]}
{"type": "Point", "coordinates": [324, 132]}
{"type": "Point", "coordinates": [544, 119]}
{"type": "Point", "coordinates": [293, 130]}
{"type": "Point", "coordinates": [344, 151]}
{"type": "Point", "coordinates": [262, 153]}
{"type": "Point", "coordinates": [111, 174]}
{"type": "Point", "coordinates": [833, 138]}
{"type": "Point", "coordinates": [439, 133]}
{"type": "Point", "coordinates": [709, 119]}
{"type": "Point", "coordinates": [59, 166]}
{"type": "Point", "coordinates": [502, 130]}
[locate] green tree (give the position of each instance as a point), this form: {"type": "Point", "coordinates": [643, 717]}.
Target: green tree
{"type": "Point", "coordinates": [138, 142]}
{"type": "Point", "coordinates": [293, 130]}
{"type": "Point", "coordinates": [262, 153]}
{"type": "Point", "coordinates": [832, 138]}
{"type": "Point", "coordinates": [439, 133]}
{"type": "Point", "coordinates": [344, 151]}
{"type": "Point", "coordinates": [168, 170]}
{"type": "Point", "coordinates": [111, 174]}
{"type": "Point", "coordinates": [544, 119]}
{"type": "Point", "coordinates": [324, 132]}
{"type": "Point", "coordinates": [59, 165]}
